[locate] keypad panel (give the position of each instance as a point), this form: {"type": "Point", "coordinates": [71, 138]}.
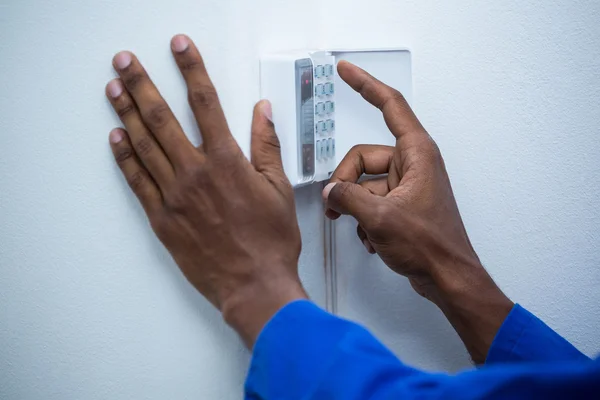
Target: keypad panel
{"type": "Point", "coordinates": [324, 112]}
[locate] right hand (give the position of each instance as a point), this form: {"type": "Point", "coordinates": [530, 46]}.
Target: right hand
{"type": "Point", "coordinates": [409, 217]}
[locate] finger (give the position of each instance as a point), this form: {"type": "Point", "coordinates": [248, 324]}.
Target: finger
{"type": "Point", "coordinates": [154, 111]}
{"type": "Point", "coordinates": [377, 186]}
{"type": "Point", "coordinates": [144, 143]}
{"type": "Point", "coordinates": [398, 115]}
{"type": "Point", "coordinates": [351, 199]}
{"type": "Point", "coordinates": [136, 175]}
{"type": "Point", "coordinates": [363, 159]}
{"type": "Point", "coordinates": [363, 238]}
{"type": "Point", "coordinates": [265, 147]}
{"type": "Point", "coordinates": [202, 95]}
{"type": "Point", "coordinates": [329, 213]}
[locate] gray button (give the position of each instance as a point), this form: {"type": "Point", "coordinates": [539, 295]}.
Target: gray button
{"type": "Point", "coordinates": [320, 108]}
{"type": "Point", "coordinates": [329, 70]}
{"type": "Point", "coordinates": [319, 90]}
{"type": "Point", "coordinates": [329, 107]}
{"type": "Point", "coordinates": [319, 71]}
{"type": "Point", "coordinates": [329, 125]}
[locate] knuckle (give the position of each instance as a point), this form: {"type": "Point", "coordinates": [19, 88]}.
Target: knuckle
{"type": "Point", "coordinates": [190, 65]}
{"type": "Point", "coordinates": [176, 201]}
{"type": "Point", "coordinates": [395, 99]}
{"type": "Point", "coordinates": [136, 180]}
{"type": "Point", "coordinates": [282, 183]}
{"type": "Point", "coordinates": [194, 176]}
{"type": "Point", "coordinates": [344, 191]}
{"type": "Point", "coordinates": [123, 154]}
{"type": "Point", "coordinates": [203, 96]}
{"type": "Point", "coordinates": [356, 149]}
{"type": "Point", "coordinates": [144, 146]}
{"type": "Point", "coordinates": [132, 80]}
{"type": "Point", "coordinates": [157, 116]}
{"type": "Point", "coordinates": [431, 152]}
{"type": "Point", "coordinates": [271, 141]}
{"type": "Point", "coordinates": [379, 217]}
{"type": "Point", "coordinates": [355, 155]}
{"type": "Point", "coordinates": [125, 110]}
{"type": "Point", "coordinates": [160, 225]}
{"type": "Point", "coordinates": [368, 91]}
{"type": "Point", "coordinates": [227, 153]}
{"type": "Point", "coordinates": [398, 98]}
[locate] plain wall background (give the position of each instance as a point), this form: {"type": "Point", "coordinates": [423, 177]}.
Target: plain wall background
{"type": "Point", "coordinates": [92, 307]}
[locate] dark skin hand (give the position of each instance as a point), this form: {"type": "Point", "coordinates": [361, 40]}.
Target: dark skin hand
{"type": "Point", "coordinates": [229, 223]}
{"type": "Point", "coordinates": [409, 217]}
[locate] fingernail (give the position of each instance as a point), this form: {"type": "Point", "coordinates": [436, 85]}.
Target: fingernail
{"type": "Point", "coordinates": [266, 109]}
{"type": "Point", "coordinates": [115, 136]}
{"type": "Point", "coordinates": [122, 60]}
{"type": "Point", "coordinates": [180, 43]}
{"type": "Point", "coordinates": [114, 88]}
{"type": "Point", "coordinates": [327, 189]}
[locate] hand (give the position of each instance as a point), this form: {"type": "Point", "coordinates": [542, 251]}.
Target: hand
{"type": "Point", "coordinates": [409, 217]}
{"type": "Point", "coordinates": [230, 224]}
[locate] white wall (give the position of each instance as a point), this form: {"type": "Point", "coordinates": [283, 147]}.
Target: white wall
{"type": "Point", "coordinates": [509, 90]}
{"type": "Point", "coordinates": [92, 307]}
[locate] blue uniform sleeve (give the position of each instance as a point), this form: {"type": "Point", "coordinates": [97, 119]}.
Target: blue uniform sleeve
{"type": "Point", "coordinates": [307, 353]}
{"type": "Point", "coordinates": [524, 337]}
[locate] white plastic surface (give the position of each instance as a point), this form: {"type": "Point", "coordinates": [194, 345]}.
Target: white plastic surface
{"type": "Point", "coordinates": [355, 120]}
{"type": "Point", "coordinates": [358, 122]}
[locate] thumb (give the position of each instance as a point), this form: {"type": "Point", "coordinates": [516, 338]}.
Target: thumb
{"type": "Point", "coordinates": [350, 199]}
{"type": "Point", "coordinates": [265, 150]}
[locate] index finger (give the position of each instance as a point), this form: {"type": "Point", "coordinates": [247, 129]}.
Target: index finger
{"type": "Point", "coordinates": [398, 115]}
{"type": "Point", "coordinates": [363, 159]}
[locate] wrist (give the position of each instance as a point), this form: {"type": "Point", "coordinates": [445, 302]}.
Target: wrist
{"type": "Point", "coordinates": [473, 303]}
{"type": "Point", "coordinates": [248, 309]}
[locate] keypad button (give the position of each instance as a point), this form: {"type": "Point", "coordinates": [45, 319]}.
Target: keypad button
{"type": "Point", "coordinates": [322, 147]}
{"type": "Point", "coordinates": [319, 90]}
{"type": "Point", "coordinates": [328, 88]}
{"type": "Point", "coordinates": [319, 71]}
{"type": "Point", "coordinates": [328, 70]}
{"type": "Point", "coordinates": [320, 108]}
{"type": "Point", "coordinates": [329, 125]}
{"type": "Point", "coordinates": [332, 147]}
{"type": "Point", "coordinates": [321, 127]}
{"type": "Point", "coordinates": [328, 148]}
{"type": "Point", "coordinates": [329, 107]}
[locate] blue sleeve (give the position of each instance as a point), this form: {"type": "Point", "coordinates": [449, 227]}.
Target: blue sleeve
{"type": "Point", "coordinates": [524, 337]}
{"type": "Point", "coordinates": [307, 353]}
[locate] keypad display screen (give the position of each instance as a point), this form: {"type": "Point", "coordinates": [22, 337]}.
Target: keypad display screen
{"type": "Point", "coordinates": [305, 115]}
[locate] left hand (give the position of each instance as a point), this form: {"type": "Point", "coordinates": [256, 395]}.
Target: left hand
{"type": "Point", "coordinates": [230, 224]}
